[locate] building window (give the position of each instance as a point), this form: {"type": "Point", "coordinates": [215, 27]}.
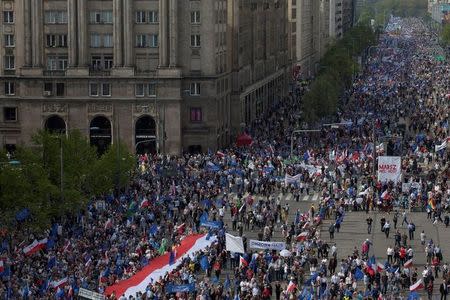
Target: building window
{"type": "Point", "coordinates": [54, 40]}
{"type": "Point", "coordinates": [95, 40]}
{"type": "Point", "coordinates": [196, 114]}
{"type": "Point", "coordinates": [8, 17]}
{"type": "Point", "coordinates": [57, 63]}
{"type": "Point", "coordinates": [195, 40]}
{"type": "Point", "coordinates": [153, 16]}
{"type": "Point", "coordinates": [108, 62]}
{"type": "Point", "coordinates": [10, 88]}
{"type": "Point", "coordinates": [93, 89]}
{"type": "Point", "coordinates": [10, 114]}
{"type": "Point", "coordinates": [106, 89]}
{"type": "Point", "coordinates": [153, 40]}
{"type": "Point", "coordinates": [10, 62]}
{"type": "Point", "coordinates": [141, 17]}
{"type": "Point", "coordinates": [59, 89]}
{"type": "Point", "coordinates": [195, 17]}
{"type": "Point", "coordinates": [152, 89]}
{"type": "Point", "coordinates": [108, 40]}
{"type": "Point", "coordinates": [195, 89]}
{"type": "Point", "coordinates": [101, 17]}
{"type": "Point", "coordinates": [139, 90]}
{"type": "Point", "coordinates": [9, 40]}
{"type": "Point", "coordinates": [56, 17]}
{"type": "Point", "coordinates": [48, 88]}
{"type": "Point", "coordinates": [141, 40]}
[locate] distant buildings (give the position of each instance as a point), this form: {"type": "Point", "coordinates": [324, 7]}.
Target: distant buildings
{"type": "Point", "coordinates": [439, 10]}
{"type": "Point", "coordinates": [314, 25]}
{"type": "Point", "coordinates": [167, 75]}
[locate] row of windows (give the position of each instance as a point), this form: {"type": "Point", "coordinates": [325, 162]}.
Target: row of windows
{"type": "Point", "coordinates": [101, 89]}
{"type": "Point", "coordinates": [10, 114]}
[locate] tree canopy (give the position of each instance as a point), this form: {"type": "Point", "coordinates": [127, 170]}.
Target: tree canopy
{"type": "Point", "coordinates": [34, 182]}
{"type": "Point", "coordinates": [337, 69]}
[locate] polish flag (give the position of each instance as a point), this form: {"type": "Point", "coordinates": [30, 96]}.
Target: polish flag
{"type": "Point", "coordinates": [408, 264]}
{"type": "Point", "coordinates": [385, 195]}
{"type": "Point", "coordinates": [417, 286]}
{"type": "Point", "coordinates": [220, 154]}
{"type": "Point", "coordinates": [35, 247]}
{"type": "Point", "coordinates": [302, 236]}
{"type": "Point", "coordinates": [242, 262]}
{"type": "Point", "coordinates": [60, 283]}
{"type": "Point", "coordinates": [291, 287]}
{"type": "Point", "coordinates": [145, 203]}
{"type": "Point", "coordinates": [108, 224]}
{"type": "Point", "coordinates": [2, 266]}
{"type": "Point", "coordinates": [189, 246]}
{"type": "Point", "coordinates": [380, 267]}
{"type": "Point", "coordinates": [180, 229]}
{"type": "Point", "coordinates": [67, 246]}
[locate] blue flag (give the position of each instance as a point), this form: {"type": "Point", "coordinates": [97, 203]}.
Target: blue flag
{"type": "Point", "coordinates": [172, 257]}
{"type": "Point", "coordinates": [359, 275]}
{"type": "Point", "coordinates": [204, 263]}
{"type": "Point", "coordinates": [153, 229]}
{"type": "Point", "coordinates": [227, 284]}
{"type": "Point", "coordinates": [413, 296]}
{"type": "Point", "coordinates": [51, 262]}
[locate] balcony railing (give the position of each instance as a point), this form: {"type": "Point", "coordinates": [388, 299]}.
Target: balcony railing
{"type": "Point", "coordinates": [99, 72]}
{"type": "Point", "coordinates": [54, 72]}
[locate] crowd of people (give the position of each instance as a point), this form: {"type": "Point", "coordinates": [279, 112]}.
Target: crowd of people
{"type": "Point", "coordinates": [395, 105]}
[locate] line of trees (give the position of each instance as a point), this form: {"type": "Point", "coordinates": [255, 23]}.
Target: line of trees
{"type": "Point", "coordinates": [380, 10]}
{"type": "Point", "coordinates": [31, 183]}
{"type": "Point", "coordinates": [338, 66]}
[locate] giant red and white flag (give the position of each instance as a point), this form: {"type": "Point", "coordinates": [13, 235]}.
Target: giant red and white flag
{"type": "Point", "coordinates": [417, 286]}
{"type": "Point", "coordinates": [159, 266]}
{"type": "Point", "coordinates": [34, 247]}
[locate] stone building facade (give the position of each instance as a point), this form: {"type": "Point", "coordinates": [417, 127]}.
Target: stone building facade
{"type": "Point", "coordinates": [158, 75]}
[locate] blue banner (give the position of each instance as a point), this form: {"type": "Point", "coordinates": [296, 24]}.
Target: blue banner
{"type": "Point", "coordinates": [180, 288]}
{"type": "Point", "coordinates": [212, 224]}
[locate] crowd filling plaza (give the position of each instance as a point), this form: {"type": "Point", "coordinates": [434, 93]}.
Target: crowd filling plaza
{"type": "Point", "coordinates": [167, 236]}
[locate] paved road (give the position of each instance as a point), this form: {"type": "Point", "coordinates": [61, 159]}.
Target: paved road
{"type": "Point", "coordinates": [354, 231]}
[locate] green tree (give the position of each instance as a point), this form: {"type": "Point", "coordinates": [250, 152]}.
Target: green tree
{"type": "Point", "coordinates": [446, 34]}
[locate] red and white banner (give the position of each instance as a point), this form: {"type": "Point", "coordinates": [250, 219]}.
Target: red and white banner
{"type": "Point", "coordinates": [389, 168]}
{"type": "Point", "coordinates": [417, 286]}
{"type": "Point", "coordinates": [35, 247]}
{"type": "Point", "coordinates": [59, 283]}
{"type": "Point", "coordinates": [159, 266]}
{"type": "Point", "coordinates": [408, 264]}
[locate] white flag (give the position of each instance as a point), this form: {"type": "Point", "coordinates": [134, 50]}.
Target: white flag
{"type": "Point", "coordinates": [234, 243]}
{"type": "Point", "coordinates": [441, 146]}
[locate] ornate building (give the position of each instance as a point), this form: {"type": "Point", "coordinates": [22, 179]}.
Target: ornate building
{"type": "Point", "coordinates": [158, 75]}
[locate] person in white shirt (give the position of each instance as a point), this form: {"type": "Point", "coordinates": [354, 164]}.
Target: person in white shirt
{"type": "Point", "coordinates": [390, 254]}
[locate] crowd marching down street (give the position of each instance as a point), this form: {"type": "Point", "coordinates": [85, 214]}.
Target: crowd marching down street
{"type": "Point", "coordinates": [179, 231]}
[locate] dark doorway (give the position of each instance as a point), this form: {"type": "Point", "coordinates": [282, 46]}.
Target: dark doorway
{"type": "Point", "coordinates": [100, 134]}
{"type": "Point", "coordinates": [55, 125]}
{"type": "Point", "coordinates": [145, 135]}
{"type": "Point", "coordinates": [195, 149]}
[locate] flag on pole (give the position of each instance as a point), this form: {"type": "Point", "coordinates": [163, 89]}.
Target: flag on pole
{"type": "Point", "coordinates": [242, 262]}
{"type": "Point", "coordinates": [144, 203]}
{"type": "Point", "coordinates": [2, 266]}
{"type": "Point", "coordinates": [408, 264]}
{"type": "Point", "coordinates": [380, 267]}
{"type": "Point", "coordinates": [35, 247]}
{"type": "Point", "coordinates": [302, 236]}
{"type": "Point", "coordinates": [416, 286]}
{"type": "Point", "coordinates": [59, 283]}
{"type": "Point", "coordinates": [291, 287]}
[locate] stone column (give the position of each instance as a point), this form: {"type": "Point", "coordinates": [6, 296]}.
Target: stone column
{"type": "Point", "coordinates": [27, 31]}
{"type": "Point", "coordinates": [37, 36]}
{"type": "Point", "coordinates": [83, 58]}
{"type": "Point", "coordinates": [117, 33]}
{"type": "Point", "coordinates": [72, 32]}
{"type": "Point", "coordinates": [163, 33]}
{"type": "Point", "coordinates": [128, 37]}
{"type": "Point", "coordinates": [173, 32]}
